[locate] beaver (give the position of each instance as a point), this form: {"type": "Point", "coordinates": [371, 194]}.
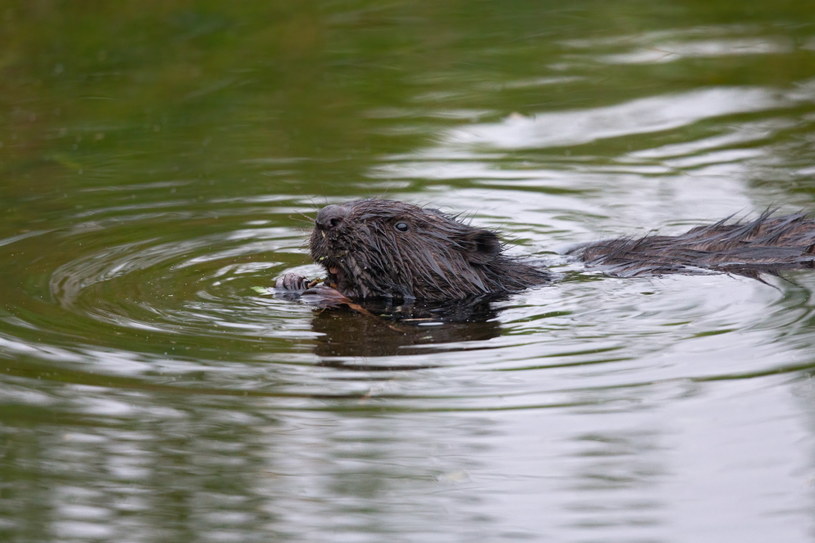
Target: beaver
{"type": "Point", "coordinates": [388, 249]}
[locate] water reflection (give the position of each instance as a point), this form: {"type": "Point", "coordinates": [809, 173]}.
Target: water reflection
{"type": "Point", "coordinates": [155, 167]}
{"type": "Point", "coordinates": [642, 116]}
{"type": "Point", "coordinates": [402, 331]}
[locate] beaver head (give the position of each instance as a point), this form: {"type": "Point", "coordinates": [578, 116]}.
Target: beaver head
{"type": "Point", "coordinates": [383, 248]}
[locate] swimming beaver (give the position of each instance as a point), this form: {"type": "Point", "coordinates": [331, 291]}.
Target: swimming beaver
{"type": "Point", "coordinates": [388, 249]}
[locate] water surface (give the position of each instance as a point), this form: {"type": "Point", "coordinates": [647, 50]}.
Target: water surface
{"type": "Point", "coordinates": [156, 165]}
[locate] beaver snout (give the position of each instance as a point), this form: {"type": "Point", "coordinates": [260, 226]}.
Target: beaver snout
{"type": "Point", "coordinates": [330, 217]}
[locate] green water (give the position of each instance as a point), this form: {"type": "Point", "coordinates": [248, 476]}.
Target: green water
{"type": "Point", "coordinates": [158, 161]}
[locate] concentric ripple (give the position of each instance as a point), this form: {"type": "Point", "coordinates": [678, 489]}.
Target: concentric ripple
{"type": "Point", "coordinates": [139, 292]}
{"type": "Point", "coordinates": [155, 281]}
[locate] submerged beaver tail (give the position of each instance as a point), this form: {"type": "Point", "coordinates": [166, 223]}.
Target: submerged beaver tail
{"type": "Point", "coordinates": [390, 249]}
{"type": "Point", "coordinates": [768, 243]}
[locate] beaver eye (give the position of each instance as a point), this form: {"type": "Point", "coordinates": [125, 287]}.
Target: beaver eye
{"type": "Point", "coordinates": [402, 226]}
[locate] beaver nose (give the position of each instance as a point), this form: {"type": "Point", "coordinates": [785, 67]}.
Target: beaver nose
{"type": "Point", "coordinates": [330, 217]}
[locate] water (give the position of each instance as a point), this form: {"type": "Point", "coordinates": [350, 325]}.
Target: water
{"type": "Point", "coordinates": [156, 166]}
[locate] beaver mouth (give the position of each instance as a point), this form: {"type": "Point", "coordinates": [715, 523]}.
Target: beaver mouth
{"type": "Point", "coordinates": [335, 275]}
{"type": "Point", "coordinates": [325, 253]}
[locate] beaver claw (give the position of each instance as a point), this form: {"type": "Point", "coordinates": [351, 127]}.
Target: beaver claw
{"type": "Point", "coordinates": [291, 281]}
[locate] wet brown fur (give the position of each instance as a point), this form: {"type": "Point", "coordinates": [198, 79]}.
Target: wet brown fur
{"type": "Point", "coordinates": [389, 249]}
{"type": "Point", "coordinates": [436, 257]}
{"type": "Point", "coordinates": [766, 244]}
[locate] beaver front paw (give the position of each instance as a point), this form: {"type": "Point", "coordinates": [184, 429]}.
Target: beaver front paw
{"type": "Point", "coordinates": [291, 281]}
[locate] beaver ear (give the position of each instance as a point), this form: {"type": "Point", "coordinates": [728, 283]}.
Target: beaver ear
{"type": "Point", "coordinates": [480, 246]}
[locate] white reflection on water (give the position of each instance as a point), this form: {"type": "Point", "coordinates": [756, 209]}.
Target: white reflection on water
{"type": "Point", "coordinates": [640, 116]}
{"type": "Point", "coordinates": [672, 51]}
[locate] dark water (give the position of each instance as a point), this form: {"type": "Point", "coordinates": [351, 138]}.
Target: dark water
{"type": "Point", "coordinates": [158, 162]}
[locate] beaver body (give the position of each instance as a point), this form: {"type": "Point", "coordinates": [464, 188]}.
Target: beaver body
{"type": "Point", "coordinates": [389, 249]}
{"type": "Point", "coordinates": [766, 244]}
